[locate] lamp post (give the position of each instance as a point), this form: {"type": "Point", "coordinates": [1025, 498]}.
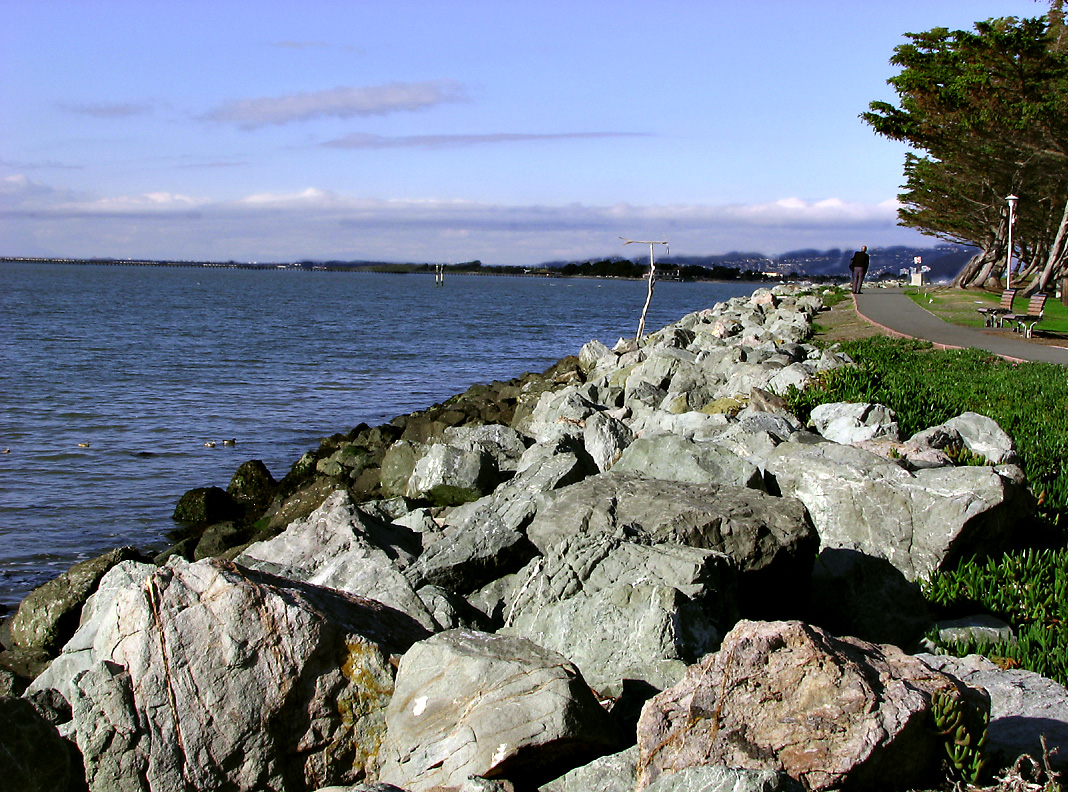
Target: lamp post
{"type": "Point", "coordinates": [1012, 199]}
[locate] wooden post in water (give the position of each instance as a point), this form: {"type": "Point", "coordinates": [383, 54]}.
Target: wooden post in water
{"type": "Point", "coordinates": [652, 277]}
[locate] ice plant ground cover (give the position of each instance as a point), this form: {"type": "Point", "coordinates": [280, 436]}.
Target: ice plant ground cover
{"type": "Point", "coordinates": [924, 386]}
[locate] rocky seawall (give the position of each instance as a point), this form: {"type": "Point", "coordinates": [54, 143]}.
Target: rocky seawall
{"type": "Point", "coordinates": [635, 571]}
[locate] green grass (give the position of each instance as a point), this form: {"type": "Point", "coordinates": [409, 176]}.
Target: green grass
{"type": "Point", "coordinates": [1029, 590]}
{"type": "Point", "coordinates": [958, 306]}
{"type": "Point", "coordinates": [925, 387]}
{"type": "Point", "coordinates": [832, 295]}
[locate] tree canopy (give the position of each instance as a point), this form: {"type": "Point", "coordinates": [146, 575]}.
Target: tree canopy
{"type": "Point", "coordinates": [986, 114]}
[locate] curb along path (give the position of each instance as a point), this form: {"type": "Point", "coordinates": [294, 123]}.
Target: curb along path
{"type": "Point", "coordinates": [894, 312]}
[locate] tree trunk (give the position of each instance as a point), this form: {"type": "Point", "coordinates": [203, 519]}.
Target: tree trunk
{"type": "Point", "coordinates": [984, 264]}
{"type": "Point", "coordinates": [967, 275]}
{"type": "Point", "coordinates": [1036, 256]}
{"type": "Point", "coordinates": [993, 267]}
{"type": "Point", "coordinates": [1055, 260]}
{"type": "Point", "coordinates": [979, 269]}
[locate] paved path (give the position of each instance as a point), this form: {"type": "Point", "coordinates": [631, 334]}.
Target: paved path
{"type": "Point", "coordinates": [891, 310]}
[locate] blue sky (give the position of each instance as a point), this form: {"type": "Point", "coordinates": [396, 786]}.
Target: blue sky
{"type": "Point", "coordinates": [511, 132]}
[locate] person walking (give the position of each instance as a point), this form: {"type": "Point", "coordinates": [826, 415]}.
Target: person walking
{"type": "Point", "coordinates": [858, 267]}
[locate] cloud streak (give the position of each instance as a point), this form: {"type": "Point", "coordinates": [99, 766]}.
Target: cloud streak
{"type": "Point", "coordinates": [361, 141]}
{"type": "Point", "coordinates": [340, 102]}
{"type": "Point", "coordinates": [107, 110]}
{"type": "Point", "coordinates": [301, 45]}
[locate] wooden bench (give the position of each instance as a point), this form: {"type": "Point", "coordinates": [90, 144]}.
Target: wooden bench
{"type": "Point", "coordinates": [994, 316]}
{"type": "Point", "coordinates": [1025, 323]}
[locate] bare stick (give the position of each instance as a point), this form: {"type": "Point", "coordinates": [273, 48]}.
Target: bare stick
{"type": "Point", "coordinates": [652, 276]}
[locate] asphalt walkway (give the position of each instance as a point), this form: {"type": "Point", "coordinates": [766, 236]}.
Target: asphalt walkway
{"type": "Point", "coordinates": [896, 313]}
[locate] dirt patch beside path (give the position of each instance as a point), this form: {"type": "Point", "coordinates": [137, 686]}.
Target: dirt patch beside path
{"type": "Point", "coordinates": [841, 323]}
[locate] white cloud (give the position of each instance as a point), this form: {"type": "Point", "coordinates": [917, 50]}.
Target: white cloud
{"type": "Point", "coordinates": [310, 196]}
{"type": "Point", "coordinates": [20, 197]}
{"type": "Point", "coordinates": [340, 102]}
{"type": "Point", "coordinates": [162, 201]}
{"type": "Point", "coordinates": [315, 223]}
{"type": "Point", "coordinates": [830, 210]}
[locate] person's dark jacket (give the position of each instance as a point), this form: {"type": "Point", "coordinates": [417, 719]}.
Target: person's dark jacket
{"type": "Point", "coordinates": [860, 259]}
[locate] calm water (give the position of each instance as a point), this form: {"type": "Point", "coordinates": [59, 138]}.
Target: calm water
{"type": "Point", "coordinates": [146, 364]}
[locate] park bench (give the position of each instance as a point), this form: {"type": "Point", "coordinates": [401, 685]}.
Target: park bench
{"type": "Point", "coordinates": [1025, 323]}
{"type": "Point", "coordinates": [995, 315]}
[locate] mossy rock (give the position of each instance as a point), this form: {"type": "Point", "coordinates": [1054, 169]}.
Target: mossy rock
{"type": "Point", "coordinates": [397, 467]}
{"type": "Point", "coordinates": [206, 505]}
{"type": "Point", "coordinates": [421, 429]}
{"type": "Point", "coordinates": [221, 537]}
{"type": "Point", "coordinates": [678, 404]}
{"type": "Point", "coordinates": [298, 504]}
{"type": "Point", "coordinates": [299, 475]}
{"type": "Point", "coordinates": [368, 483]}
{"type": "Point", "coordinates": [726, 404]}
{"type": "Point", "coordinates": [447, 495]}
{"type": "Point", "coordinates": [379, 437]}
{"type": "Point", "coordinates": [252, 486]}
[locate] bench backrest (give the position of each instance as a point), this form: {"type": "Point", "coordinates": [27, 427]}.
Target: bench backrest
{"type": "Point", "coordinates": [1036, 304]}
{"type": "Point", "coordinates": [1007, 297]}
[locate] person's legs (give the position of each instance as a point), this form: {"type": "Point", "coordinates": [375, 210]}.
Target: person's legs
{"type": "Point", "coordinates": [855, 272]}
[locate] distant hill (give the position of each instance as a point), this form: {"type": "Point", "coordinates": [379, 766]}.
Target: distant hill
{"type": "Point", "coordinates": [944, 260]}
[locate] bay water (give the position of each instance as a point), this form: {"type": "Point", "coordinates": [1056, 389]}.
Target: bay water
{"type": "Point", "coordinates": [114, 378]}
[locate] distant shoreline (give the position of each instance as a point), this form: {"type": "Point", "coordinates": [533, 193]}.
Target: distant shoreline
{"type": "Point", "coordinates": [664, 274]}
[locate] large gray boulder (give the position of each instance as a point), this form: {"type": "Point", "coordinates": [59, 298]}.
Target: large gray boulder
{"type": "Point", "coordinates": [205, 676]}
{"type": "Point", "coordinates": [447, 474]}
{"type": "Point", "coordinates": [918, 521]}
{"type": "Point", "coordinates": [473, 704]}
{"type": "Point", "coordinates": [341, 547]}
{"type": "Point", "coordinates": [78, 653]}
{"type": "Point", "coordinates": [787, 697]}
{"type": "Point", "coordinates": [592, 354]}
{"type": "Point", "coordinates": [503, 443]}
{"type": "Point", "coordinates": [848, 422]}
{"type": "Point", "coordinates": [678, 458]}
{"type": "Point", "coordinates": [755, 432]}
{"type": "Point", "coordinates": [398, 463]}
{"type": "Point", "coordinates": [648, 423]}
{"type": "Point", "coordinates": [486, 539]}
{"type": "Point", "coordinates": [557, 414]}
{"type": "Point", "coordinates": [978, 433]}
{"type": "Point", "coordinates": [463, 559]}
{"type": "Point", "coordinates": [605, 439]}
{"type": "Point", "coordinates": [1025, 707]}
{"type": "Point", "coordinates": [771, 540]}
{"type": "Point", "coordinates": [624, 611]}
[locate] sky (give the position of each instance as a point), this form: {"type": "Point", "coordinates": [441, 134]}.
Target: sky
{"type": "Point", "coordinates": [509, 132]}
